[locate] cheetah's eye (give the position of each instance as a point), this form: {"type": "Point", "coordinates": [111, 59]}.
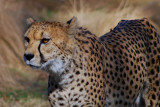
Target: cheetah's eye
{"type": "Point", "coordinates": [44, 40]}
{"type": "Point", "coordinates": [26, 39]}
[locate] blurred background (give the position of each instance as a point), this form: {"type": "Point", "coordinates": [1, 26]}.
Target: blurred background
{"type": "Point", "coordinates": [22, 87]}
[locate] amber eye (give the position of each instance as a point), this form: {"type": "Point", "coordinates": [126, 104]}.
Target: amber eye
{"type": "Point", "coordinates": [45, 40]}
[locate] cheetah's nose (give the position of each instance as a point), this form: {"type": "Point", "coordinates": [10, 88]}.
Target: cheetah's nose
{"type": "Point", "coordinates": [28, 57]}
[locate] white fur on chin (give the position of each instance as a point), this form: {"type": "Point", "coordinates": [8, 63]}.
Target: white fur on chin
{"type": "Point", "coordinates": [54, 65]}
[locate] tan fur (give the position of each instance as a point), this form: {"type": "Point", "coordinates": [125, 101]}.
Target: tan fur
{"type": "Point", "coordinates": [87, 71]}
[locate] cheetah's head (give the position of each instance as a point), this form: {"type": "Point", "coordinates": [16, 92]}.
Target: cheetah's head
{"type": "Point", "coordinates": [49, 45]}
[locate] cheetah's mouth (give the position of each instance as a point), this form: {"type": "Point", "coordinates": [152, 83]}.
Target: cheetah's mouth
{"type": "Point", "coordinates": [34, 67]}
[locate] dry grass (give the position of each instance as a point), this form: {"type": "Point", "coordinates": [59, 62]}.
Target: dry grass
{"type": "Point", "coordinates": [29, 102]}
{"type": "Point", "coordinates": [26, 88]}
{"type": "Point", "coordinates": [11, 41]}
{"type": "Point", "coordinates": [99, 21]}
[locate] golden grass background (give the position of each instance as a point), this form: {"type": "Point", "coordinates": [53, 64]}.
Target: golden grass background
{"type": "Point", "coordinates": [19, 85]}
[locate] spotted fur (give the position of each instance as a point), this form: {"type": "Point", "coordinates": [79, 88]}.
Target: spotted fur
{"type": "Point", "coordinates": [74, 59]}
{"type": "Point", "coordinates": [132, 64]}
{"type": "Point", "coordinates": [119, 69]}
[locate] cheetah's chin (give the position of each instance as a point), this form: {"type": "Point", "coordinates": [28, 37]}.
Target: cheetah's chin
{"type": "Point", "coordinates": [54, 65]}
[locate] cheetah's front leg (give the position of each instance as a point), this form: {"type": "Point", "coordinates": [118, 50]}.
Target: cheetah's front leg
{"type": "Point", "coordinates": [58, 100]}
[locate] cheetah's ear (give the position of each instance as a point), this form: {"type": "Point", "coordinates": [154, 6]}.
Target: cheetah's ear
{"type": "Point", "coordinates": [72, 24]}
{"type": "Point", "coordinates": [29, 21]}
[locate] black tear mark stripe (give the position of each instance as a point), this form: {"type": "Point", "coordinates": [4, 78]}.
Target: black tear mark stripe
{"type": "Point", "coordinates": [41, 55]}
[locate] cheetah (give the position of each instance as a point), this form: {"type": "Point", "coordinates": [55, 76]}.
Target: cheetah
{"type": "Point", "coordinates": [132, 64]}
{"type": "Point", "coordinates": [73, 58]}
{"type": "Point", "coordinates": [89, 71]}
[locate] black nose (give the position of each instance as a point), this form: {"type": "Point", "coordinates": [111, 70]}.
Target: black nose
{"type": "Point", "coordinates": [28, 56]}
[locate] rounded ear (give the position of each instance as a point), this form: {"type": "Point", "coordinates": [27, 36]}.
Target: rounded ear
{"type": "Point", "coordinates": [73, 21]}
{"type": "Point", "coordinates": [29, 21]}
{"type": "Point", "coordinates": [73, 24]}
